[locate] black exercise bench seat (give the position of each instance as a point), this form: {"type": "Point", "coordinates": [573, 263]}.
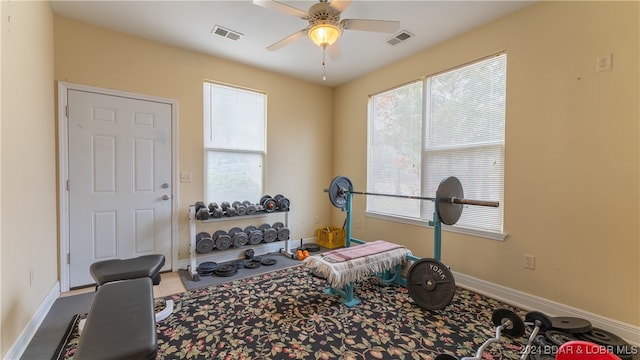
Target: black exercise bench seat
{"type": "Point", "coordinates": [121, 323]}
{"type": "Point", "coordinates": [118, 269]}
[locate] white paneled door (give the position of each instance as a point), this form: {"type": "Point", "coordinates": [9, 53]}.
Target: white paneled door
{"type": "Point", "coordinates": [119, 185]}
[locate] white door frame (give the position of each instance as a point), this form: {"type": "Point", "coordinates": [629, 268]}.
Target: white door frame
{"type": "Point", "coordinates": [63, 171]}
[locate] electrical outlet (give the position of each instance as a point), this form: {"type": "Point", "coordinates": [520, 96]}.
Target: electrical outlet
{"type": "Point", "coordinates": [529, 262]}
{"type": "Point", "coordinates": [185, 177]}
{"type": "Point", "coordinates": [603, 63]}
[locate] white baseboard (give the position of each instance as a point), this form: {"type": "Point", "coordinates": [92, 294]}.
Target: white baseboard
{"type": "Point", "coordinates": [526, 301]}
{"type": "Point", "coordinates": [20, 345]}
{"type": "Point", "coordinates": [235, 254]}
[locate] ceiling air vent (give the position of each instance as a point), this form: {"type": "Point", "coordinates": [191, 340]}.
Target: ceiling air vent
{"type": "Point", "coordinates": [399, 37]}
{"type": "Point", "coordinates": [227, 33]}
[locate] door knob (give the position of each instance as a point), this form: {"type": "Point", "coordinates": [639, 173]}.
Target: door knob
{"type": "Point", "coordinates": [165, 197]}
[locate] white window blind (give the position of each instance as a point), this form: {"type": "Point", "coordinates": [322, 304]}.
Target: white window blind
{"type": "Point", "coordinates": [234, 141]}
{"type": "Point", "coordinates": [457, 118]}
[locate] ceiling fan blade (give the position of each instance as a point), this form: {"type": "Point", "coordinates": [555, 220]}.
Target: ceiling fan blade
{"type": "Point", "coordinates": [340, 5]}
{"type": "Point", "coordinates": [335, 51]}
{"type": "Point", "coordinates": [385, 26]}
{"type": "Point", "coordinates": [288, 40]}
{"type": "Point", "coordinates": [278, 6]}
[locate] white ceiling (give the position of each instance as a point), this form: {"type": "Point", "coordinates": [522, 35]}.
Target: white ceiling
{"type": "Point", "coordinates": [188, 24]}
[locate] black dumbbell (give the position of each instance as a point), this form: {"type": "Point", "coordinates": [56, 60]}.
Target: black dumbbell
{"type": "Point", "coordinates": [268, 203]}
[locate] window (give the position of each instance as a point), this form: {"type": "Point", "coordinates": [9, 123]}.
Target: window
{"type": "Point", "coordinates": [234, 142]}
{"type": "Point", "coordinates": [449, 124]}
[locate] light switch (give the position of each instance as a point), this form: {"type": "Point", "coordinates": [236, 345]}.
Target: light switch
{"type": "Point", "coordinates": [185, 177]}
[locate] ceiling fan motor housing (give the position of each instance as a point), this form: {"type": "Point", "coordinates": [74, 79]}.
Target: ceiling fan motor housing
{"type": "Point", "coordinates": [323, 13]}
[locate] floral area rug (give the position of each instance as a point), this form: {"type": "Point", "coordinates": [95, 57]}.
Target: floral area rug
{"type": "Point", "coordinates": [286, 315]}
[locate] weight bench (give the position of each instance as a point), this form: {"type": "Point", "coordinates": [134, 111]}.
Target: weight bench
{"type": "Point", "coordinates": [342, 267]}
{"type": "Point", "coordinates": [145, 266]}
{"type": "Point", "coordinates": [118, 269]}
{"type": "Point", "coordinates": [121, 323]}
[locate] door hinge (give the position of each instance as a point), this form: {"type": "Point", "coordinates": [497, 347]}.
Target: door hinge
{"type": "Point", "coordinates": [68, 258]}
{"type": "Point", "coordinates": [68, 182]}
{"type": "Point", "coordinates": [66, 110]}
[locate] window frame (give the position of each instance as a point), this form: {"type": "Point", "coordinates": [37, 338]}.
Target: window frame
{"type": "Point", "coordinates": [208, 149]}
{"type": "Point", "coordinates": [423, 221]}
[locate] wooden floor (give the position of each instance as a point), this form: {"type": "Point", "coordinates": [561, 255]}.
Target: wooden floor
{"type": "Point", "coordinates": [170, 284]}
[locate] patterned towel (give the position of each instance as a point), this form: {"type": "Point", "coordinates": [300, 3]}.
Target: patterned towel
{"type": "Point", "coordinates": [342, 266]}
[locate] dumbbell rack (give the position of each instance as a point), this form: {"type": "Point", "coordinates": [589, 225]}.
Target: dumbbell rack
{"type": "Point", "coordinates": [223, 255]}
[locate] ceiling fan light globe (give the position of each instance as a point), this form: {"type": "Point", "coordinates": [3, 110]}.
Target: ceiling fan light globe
{"type": "Point", "coordinates": [324, 34]}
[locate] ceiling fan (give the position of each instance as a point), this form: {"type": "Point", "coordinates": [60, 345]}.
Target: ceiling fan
{"type": "Point", "coordinates": [325, 25]}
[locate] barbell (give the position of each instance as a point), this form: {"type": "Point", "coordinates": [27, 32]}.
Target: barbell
{"type": "Point", "coordinates": [449, 199]}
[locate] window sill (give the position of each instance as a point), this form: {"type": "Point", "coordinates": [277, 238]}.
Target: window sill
{"type": "Point", "coordinates": [455, 229]}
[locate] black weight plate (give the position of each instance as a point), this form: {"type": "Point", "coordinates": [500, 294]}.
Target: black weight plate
{"type": "Point", "coordinates": [201, 235]}
{"type": "Point", "coordinates": [514, 326]}
{"type": "Point", "coordinates": [255, 237]}
{"type": "Point", "coordinates": [277, 225]}
{"type": "Point", "coordinates": [613, 342]}
{"type": "Point", "coordinates": [283, 234]}
{"type": "Point", "coordinates": [223, 242]}
{"type": "Point", "coordinates": [310, 247]}
{"type": "Point", "coordinates": [545, 321]}
{"type": "Point", "coordinates": [205, 272]}
{"type": "Point", "coordinates": [251, 209]}
{"type": "Point", "coordinates": [208, 265]}
{"type": "Point", "coordinates": [217, 234]}
{"type": "Point", "coordinates": [246, 203]}
{"type": "Point", "coordinates": [234, 230]}
{"type": "Point", "coordinates": [557, 337]}
{"type": "Point", "coordinates": [339, 187]}
{"type": "Point", "coordinates": [249, 254]}
{"type": "Point", "coordinates": [445, 357]}
{"type": "Point", "coordinates": [264, 198]}
{"type": "Point", "coordinates": [235, 203]}
{"type": "Point", "coordinates": [226, 270]}
{"type": "Point", "coordinates": [257, 258]}
{"type": "Point", "coordinates": [571, 325]}
{"type": "Point", "coordinates": [241, 210]}
{"type": "Point", "coordinates": [264, 227]}
{"type": "Point", "coordinates": [205, 245]}
{"type": "Point", "coordinates": [430, 284]}
{"type": "Point", "coordinates": [269, 262]}
{"type": "Point", "coordinates": [270, 235]}
{"type": "Point", "coordinates": [278, 197]}
{"type": "Point", "coordinates": [252, 264]}
{"type": "Point", "coordinates": [239, 264]}
{"type": "Point", "coordinates": [249, 229]}
{"type": "Point", "coordinates": [448, 212]}
{"type": "Point", "coordinates": [240, 239]}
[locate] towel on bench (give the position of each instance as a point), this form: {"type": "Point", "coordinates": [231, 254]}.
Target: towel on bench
{"type": "Point", "coordinates": [345, 265]}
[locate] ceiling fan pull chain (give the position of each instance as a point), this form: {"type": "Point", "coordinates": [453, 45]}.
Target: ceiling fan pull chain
{"type": "Point", "coordinates": [324, 67]}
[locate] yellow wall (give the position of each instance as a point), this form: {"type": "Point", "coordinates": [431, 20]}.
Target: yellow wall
{"type": "Point", "coordinates": [28, 167]}
{"type": "Point", "coordinates": [572, 155]}
{"type": "Point", "coordinates": [299, 113]}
